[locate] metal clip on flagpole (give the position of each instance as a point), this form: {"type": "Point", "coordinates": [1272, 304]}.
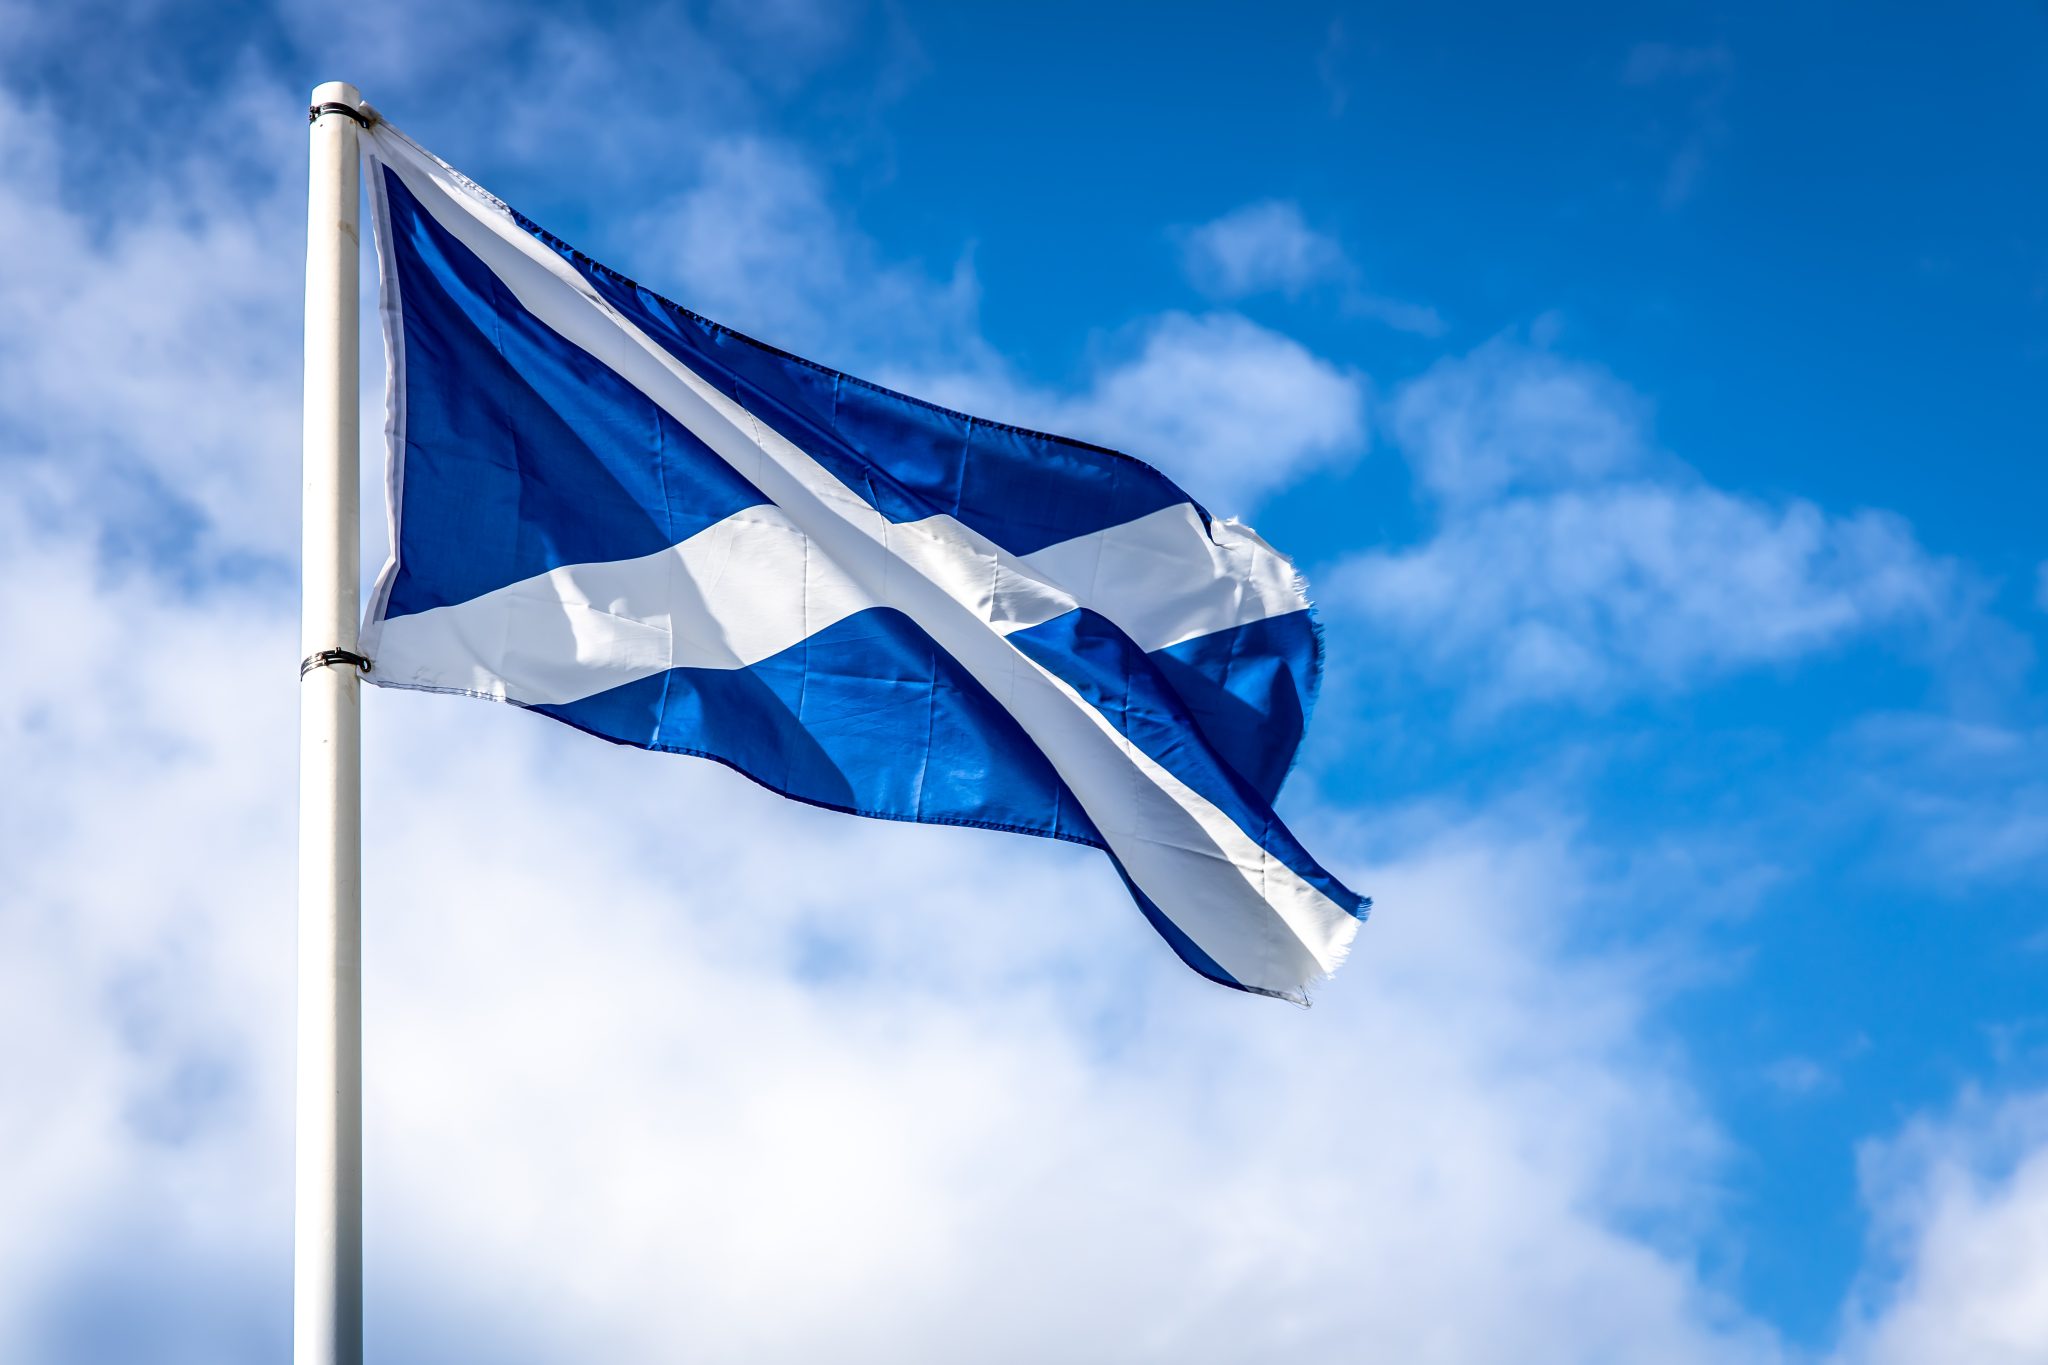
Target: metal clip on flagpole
{"type": "Point", "coordinates": [327, 1253]}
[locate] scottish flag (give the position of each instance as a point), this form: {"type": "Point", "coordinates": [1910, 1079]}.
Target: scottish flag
{"type": "Point", "coordinates": [609, 510]}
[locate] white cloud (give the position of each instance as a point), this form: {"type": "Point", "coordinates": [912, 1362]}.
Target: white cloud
{"type": "Point", "coordinates": [1588, 593]}
{"type": "Point", "coordinates": [1508, 417]}
{"type": "Point", "coordinates": [113, 325]}
{"type": "Point", "coordinates": [1235, 408]}
{"type": "Point", "coordinates": [961, 1145]}
{"type": "Point", "coordinates": [1228, 408]}
{"type": "Point", "coordinates": [145, 950]}
{"type": "Point", "coordinates": [559, 91]}
{"type": "Point", "coordinates": [757, 244]}
{"type": "Point", "coordinates": [1573, 561]}
{"type": "Point", "coordinates": [1260, 248]}
{"type": "Point", "coordinates": [1268, 248]}
{"type": "Point", "coordinates": [1962, 1208]}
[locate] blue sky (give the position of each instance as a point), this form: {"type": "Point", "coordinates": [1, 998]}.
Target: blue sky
{"type": "Point", "coordinates": [1654, 398]}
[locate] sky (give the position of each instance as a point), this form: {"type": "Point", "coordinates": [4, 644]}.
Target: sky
{"type": "Point", "coordinates": [1654, 397]}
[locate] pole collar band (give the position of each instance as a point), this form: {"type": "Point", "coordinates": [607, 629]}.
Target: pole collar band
{"type": "Point", "coordinates": [337, 107]}
{"type": "Point", "coordinates": [327, 658]}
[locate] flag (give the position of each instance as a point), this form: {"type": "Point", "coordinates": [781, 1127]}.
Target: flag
{"type": "Point", "coordinates": [612, 511]}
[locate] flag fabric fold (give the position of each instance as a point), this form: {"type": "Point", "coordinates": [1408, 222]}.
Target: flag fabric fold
{"type": "Point", "coordinates": [617, 513]}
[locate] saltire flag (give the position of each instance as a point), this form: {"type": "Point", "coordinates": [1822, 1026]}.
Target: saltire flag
{"type": "Point", "coordinates": [610, 510]}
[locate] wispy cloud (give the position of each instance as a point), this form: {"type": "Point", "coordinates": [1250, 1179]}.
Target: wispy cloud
{"type": "Point", "coordinates": [1798, 1076]}
{"type": "Point", "coordinates": [1650, 62]}
{"type": "Point", "coordinates": [1574, 561]}
{"type": "Point", "coordinates": [1330, 62]}
{"type": "Point", "coordinates": [1514, 418]}
{"type": "Point", "coordinates": [757, 243]}
{"type": "Point", "coordinates": [1262, 247]}
{"type": "Point", "coordinates": [1964, 801]}
{"type": "Point", "coordinates": [1700, 77]}
{"type": "Point", "coordinates": [1268, 247]}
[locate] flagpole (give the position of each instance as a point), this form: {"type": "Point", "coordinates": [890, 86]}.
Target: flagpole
{"type": "Point", "coordinates": [327, 1261]}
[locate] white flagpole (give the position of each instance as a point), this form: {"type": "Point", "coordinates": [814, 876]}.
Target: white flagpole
{"type": "Point", "coordinates": [327, 1262]}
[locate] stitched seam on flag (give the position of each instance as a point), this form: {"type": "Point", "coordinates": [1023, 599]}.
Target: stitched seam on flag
{"type": "Point", "coordinates": [668, 509]}
{"type": "Point", "coordinates": [803, 691]}
{"type": "Point", "coordinates": [931, 723]}
{"type": "Point", "coordinates": [803, 682]}
{"type": "Point", "coordinates": [960, 465]}
{"type": "Point", "coordinates": [1313, 692]}
{"type": "Point", "coordinates": [391, 321]}
{"type": "Point", "coordinates": [1138, 780]}
{"type": "Point", "coordinates": [504, 414]}
{"type": "Point", "coordinates": [661, 702]}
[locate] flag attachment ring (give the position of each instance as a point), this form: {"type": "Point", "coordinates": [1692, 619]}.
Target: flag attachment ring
{"type": "Point", "coordinates": [337, 107]}
{"type": "Point", "coordinates": [327, 658]}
